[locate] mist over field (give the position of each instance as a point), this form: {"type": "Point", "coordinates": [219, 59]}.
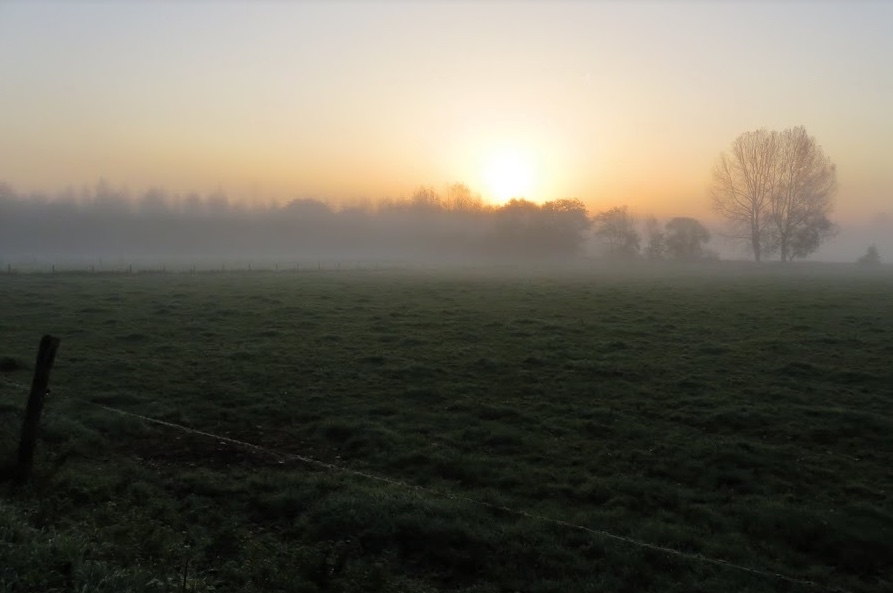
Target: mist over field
{"type": "Point", "coordinates": [116, 227]}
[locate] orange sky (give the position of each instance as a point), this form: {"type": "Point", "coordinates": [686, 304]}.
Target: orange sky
{"type": "Point", "coordinates": [611, 103]}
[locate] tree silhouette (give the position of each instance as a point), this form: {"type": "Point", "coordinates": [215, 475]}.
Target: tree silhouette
{"type": "Point", "coordinates": [685, 238]}
{"type": "Point", "coordinates": [563, 224]}
{"type": "Point", "coordinates": [617, 230]}
{"type": "Point", "coordinates": [871, 257]}
{"type": "Point", "coordinates": [775, 189]}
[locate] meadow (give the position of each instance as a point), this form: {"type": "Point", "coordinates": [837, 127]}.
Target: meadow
{"type": "Point", "coordinates": [741, 413]}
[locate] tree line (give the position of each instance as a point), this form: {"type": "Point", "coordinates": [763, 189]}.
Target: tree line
{"type": "Point", "coordinates": [455, 223]}
{"type": "Point", "coordinates": [774, 189]}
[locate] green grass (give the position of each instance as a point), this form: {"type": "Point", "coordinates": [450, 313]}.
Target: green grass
{"type": "Point", "coordinates": [742, 415]}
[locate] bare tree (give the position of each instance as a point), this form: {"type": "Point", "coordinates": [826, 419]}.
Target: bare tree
{"type": "Point", "coordinates": [775, 190]}
{"type": "Point", "coordinates": [617, 228]}
{"type": "Point", "coordinates": [803, 192]}
{"type": "Point", "coordinates": [743, 183]}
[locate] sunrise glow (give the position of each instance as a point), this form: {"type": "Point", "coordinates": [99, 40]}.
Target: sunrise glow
{"type": "Point", "coordinates": [371, 102]}
{"type": "Point", "coordinates": [509, 174]}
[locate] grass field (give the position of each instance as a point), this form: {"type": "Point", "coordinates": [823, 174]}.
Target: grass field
{"type": "Point", "coordinates": [743, 415]}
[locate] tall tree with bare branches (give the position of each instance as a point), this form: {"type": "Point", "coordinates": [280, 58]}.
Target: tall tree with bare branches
{"type": "Point", "coordinates": [803, 195]}
{"type": "Point", "coordinates": [743, 183]}
{"type": "Point", "coordinates": [775, 189]}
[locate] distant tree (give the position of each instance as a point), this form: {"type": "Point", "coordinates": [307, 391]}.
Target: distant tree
{"type": "Point", "coordinates": [809, 236]}
{"type": "Point", "coordinates": [460, 199]}
{"type": "Point", "coordinates": [871, 257]}
{"type": "Point", "coordinates": [153, 202]}
{"type": "Point", "coordinates": [425, 199]}
{"type": "Point", "coordinates": [656, 247]}
{"type": "Point", "coordinates": [686, 238]}
{"type": "Point", "coordinates": [564, 223]}
{"type": "Point", "coordinates": [616, 228]}
{"type": "Point", "coordinates": [515, 231]}
{"type": "Point", "coordinates": [775, 189]}
{"type": "Point", "coordinates": [309, 209]}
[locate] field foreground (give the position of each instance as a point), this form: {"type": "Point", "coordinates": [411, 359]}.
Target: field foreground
{"type": "Point", "coordinates": [743, 416]}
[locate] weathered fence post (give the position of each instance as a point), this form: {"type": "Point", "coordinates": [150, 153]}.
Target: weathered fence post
{"type": "Point", "coordinates": [46, 354]}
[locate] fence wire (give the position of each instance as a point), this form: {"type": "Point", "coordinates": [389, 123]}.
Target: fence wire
{"type": "Point", "coordinates": [438, 493]}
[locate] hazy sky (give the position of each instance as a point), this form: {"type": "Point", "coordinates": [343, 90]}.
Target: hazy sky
{"type": "Point", "coordinates": [612, 103]}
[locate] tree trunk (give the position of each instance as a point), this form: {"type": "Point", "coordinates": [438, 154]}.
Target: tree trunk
{"type": "Point", "coordinates": [755, 241]}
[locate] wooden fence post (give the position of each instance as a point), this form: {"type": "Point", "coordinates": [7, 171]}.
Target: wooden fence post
{"type": "Point", "coordinates": [46, 354]}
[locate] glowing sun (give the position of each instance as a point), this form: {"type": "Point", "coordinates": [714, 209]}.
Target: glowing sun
{"type": "Point", "coordinates": [509, 175]}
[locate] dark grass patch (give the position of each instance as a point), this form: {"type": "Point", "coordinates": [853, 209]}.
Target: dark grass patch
{"type": "Point", "coordinates": [9, 364]}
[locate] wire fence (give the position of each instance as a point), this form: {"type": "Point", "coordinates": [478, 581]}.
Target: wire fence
{"type": "Point", "coordinates": [439, 493]}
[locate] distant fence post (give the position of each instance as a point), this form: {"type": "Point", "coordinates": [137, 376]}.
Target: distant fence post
{"type": "Point", "coordinates": [46, 354]}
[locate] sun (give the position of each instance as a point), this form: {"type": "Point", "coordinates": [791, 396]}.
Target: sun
{"type": "Point", "coordinates": [509, 174]}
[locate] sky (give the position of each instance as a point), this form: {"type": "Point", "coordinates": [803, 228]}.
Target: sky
{"type": "Point", "coordinates": [612, 103]}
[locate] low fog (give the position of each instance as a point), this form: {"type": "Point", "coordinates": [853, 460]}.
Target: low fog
{"type": "Point", "coordinates": [106, 228]}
